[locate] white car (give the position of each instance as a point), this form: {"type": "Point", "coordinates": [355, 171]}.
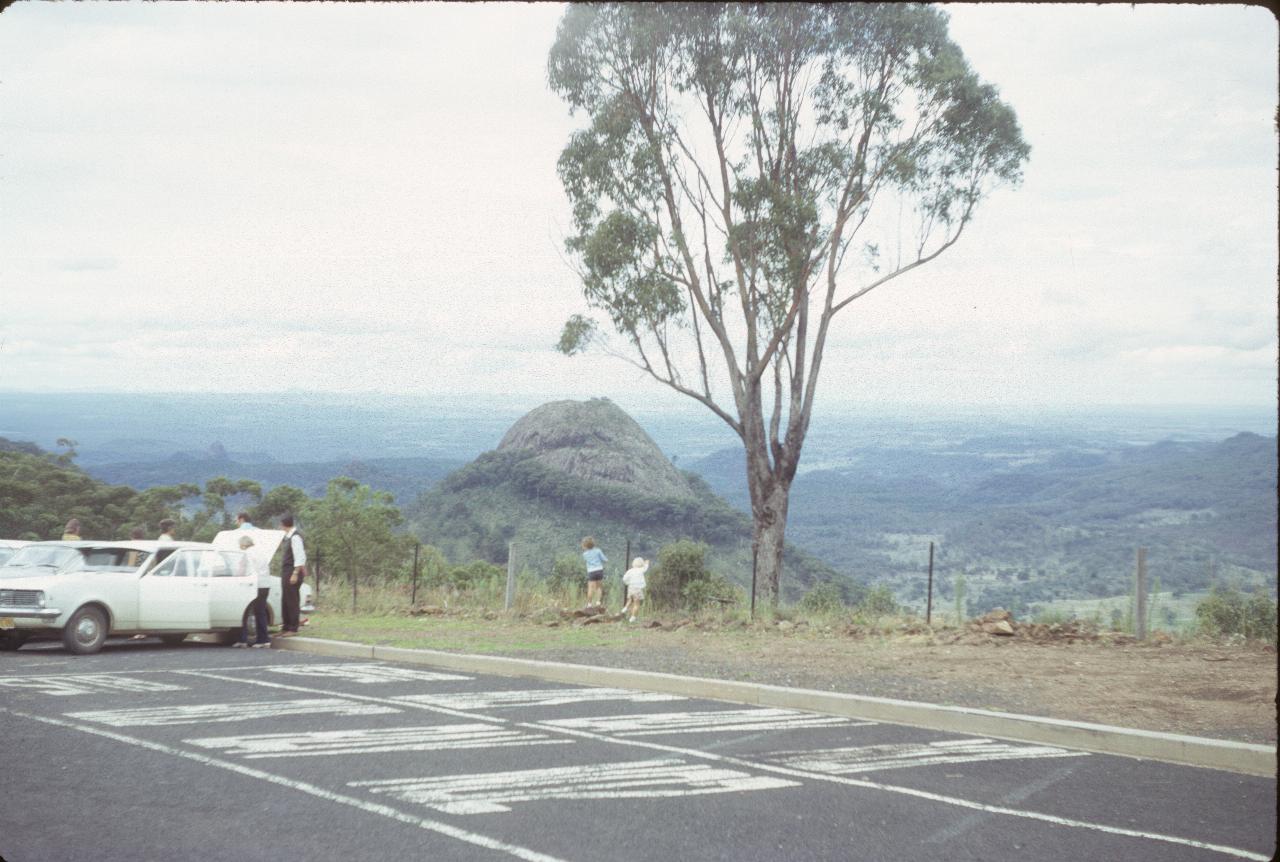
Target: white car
{"type": "Point", "coordinates": [83, 591]}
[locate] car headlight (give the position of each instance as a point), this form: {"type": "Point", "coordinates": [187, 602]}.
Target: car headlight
{"type": "Point", "coordinates": [40, 599]}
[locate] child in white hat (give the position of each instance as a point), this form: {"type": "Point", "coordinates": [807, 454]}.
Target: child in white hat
{"type": "Point", "coordinates": [633, 580]}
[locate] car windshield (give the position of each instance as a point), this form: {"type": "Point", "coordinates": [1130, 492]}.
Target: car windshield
{"type": "Point", "coordinates": [52, 558]}
{"type": "Point", "coordinates": [49, 559]}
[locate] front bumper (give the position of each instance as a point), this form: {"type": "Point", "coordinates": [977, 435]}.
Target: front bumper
{"type": "Point", "coordinates": [30, 613]}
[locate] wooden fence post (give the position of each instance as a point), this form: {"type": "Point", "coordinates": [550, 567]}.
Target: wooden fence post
{"type": "Point", "coordinates": [1140, 598]}
{"type": "Point", "coordinates": [928, 608]}
{"type": "Point", "coordinates": [511, 574]}
{"type": "Point", "coordinates": [413, 596]}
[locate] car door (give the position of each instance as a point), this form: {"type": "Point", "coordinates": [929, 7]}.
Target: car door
{"type": "Point", "coordinates": [233, 584]}
{"type": "Point", "coordinates": [173, 597]}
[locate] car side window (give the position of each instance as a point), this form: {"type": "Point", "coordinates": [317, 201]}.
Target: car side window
{"type": "Point", "coordinates": [213, 565]}
{"type": "Point", "coordinates": [165, 569]}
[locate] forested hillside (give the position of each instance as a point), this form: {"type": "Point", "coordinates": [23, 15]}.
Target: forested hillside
{"type": "Point", "coordinates": [586, 468]}
{"type": "Point", "coordinates": [1033, 518]}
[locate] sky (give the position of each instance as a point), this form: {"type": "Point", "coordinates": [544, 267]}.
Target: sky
{"type": "Point", "coordinates": [223, 197]}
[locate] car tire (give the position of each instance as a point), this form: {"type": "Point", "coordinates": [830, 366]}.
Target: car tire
{"type": "Point", "coordinates": [173, 639]}
{"type": "Point", "coordinates": [86, 631]}
{"type": "Point", "coordinates": [12, 641]}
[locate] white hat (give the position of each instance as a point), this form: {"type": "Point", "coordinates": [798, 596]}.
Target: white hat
{"type": "Point", "coordinates": [639, 563]}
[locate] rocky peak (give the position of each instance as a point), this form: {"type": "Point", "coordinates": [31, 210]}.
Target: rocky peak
{"type": "Point", "coordinates": [597, 441]}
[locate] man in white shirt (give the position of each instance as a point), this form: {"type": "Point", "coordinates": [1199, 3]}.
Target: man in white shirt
{"type": "Point", "coordinates": [166, 536]}
{"type": "Point", "coordinates": [293, 568]}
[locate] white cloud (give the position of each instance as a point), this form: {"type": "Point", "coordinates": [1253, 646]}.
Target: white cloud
{"type": "Point", "coordinates": [199, 194]}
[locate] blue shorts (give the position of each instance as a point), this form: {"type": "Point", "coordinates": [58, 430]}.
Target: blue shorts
{"type": "Point", "coordinates": [597, 575]}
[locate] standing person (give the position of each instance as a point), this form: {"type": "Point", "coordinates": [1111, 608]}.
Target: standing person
{"type": "Point", "coordinates": [595, 559]}
{"type": "Point", "coordinates": [166, 531]}
{"type": "Point", "coordinates": [71, 532]}
{"type": "Point", "coordinates": [260, 620]}
{"type": "Point", "coordinates": [633, 581]}
{"type": "Point", "coordinates": [293, 568]}
{"type": "Point", "coordinates": [242, 521]}
{"type": "Point", "coordinates": [134, 558]}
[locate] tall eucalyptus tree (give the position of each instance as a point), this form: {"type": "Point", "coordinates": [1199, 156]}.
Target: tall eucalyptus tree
{"type": "Point", "coordinates": [730, 192]}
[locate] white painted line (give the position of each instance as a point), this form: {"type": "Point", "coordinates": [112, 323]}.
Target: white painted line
{"type": "Point", "coordinates": [66, 684]}
{"type": "Point", "coordinates": [448, 737]}
{"type": "Point", "coordinates": [494, 792]}
{"type": "Point", "coordinates": [222, 712]}
{"type": "Point", "coordinates": [311, 789]}
{"type": "Point", "coordinates": [920, 794]}
{"type": "Point", "coordinates": [367, 674]}
{"type": "Point", "coordinates": [533, 697]}
{"type": "Point", "coordinates": [853, 782]}
{"type": "Point", "coordinates": [872, 758]}
{"type": "Point", "coordinates": [711, 721]}
{"type": "Point", "coordinates": [364, 698]}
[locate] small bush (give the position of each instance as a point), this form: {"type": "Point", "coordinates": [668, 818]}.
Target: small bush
{"type": "Point", "coordinates": [679, 564]}
{"type": "Point", "coordinates": [568, 575]}
{"type": "Point", "coordinates": [1226, 611]}
{"type": "Point", "coordinates": [878, 602]}
{"type": "Point", "coordinates": [825, 598]}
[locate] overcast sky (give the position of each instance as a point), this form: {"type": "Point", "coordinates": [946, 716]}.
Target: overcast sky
{"type": "Point", "coordinates": [356, 198]}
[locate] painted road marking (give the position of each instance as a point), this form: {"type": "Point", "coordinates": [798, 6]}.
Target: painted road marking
{"type": "Point", "coordinates": [446, 738]}
{"type": "Point", "coordinates": [63, 685]}
{"type": "Point", "coordinates": [494, 792]}
{"type": "Point", "coordinates": [922, 794]}
{"type": "Point", "coordinates": [713, 721]}
{"type": "Point", "coordinates": [220, 712]}
{"type": "Point", "coordinates": [799, 774]}
{"type": "Point", "coordinates": [533, 697]}
{"type": "Point", "coordinates": [871, 758]}
{"type": "Point", "coordinates": [363, 805]}
{"type": "Point", "coordinates": [367, 674]}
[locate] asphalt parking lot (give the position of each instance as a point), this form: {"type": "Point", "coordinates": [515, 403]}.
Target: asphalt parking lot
{"type": "Point", "coordinates": [148, 752]}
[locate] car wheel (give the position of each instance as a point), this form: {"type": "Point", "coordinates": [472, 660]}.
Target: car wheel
{"type": "Point", "coordinates": [86, 631]}
{"type": "Point", "coordinates": [173, 639]}
{"type": "Point", "coordinates": [11, 641]}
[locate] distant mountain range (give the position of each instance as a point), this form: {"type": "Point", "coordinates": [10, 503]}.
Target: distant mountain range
{"type": "Point", "coordinates": [1027, 508]}
{"type": "Point", "coordinates": [1026, 518]}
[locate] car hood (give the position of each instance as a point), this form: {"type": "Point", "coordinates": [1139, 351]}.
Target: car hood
{"type": "Point", "coordinates": [31, 582]}
{"type": "Point", "coordinates": [264, 547]}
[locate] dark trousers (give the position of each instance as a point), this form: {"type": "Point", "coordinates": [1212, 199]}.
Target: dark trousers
{"type": "Point", "coordinates": [260, 619]}
{"type": "Point", "coordinates": [289, 603]}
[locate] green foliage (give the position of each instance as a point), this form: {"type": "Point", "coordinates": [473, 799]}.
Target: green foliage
{"type": "Point", "coordinates": [681, 579]}
{"type": "Point", "coordinates": [568, 574]}
{"type": "Point", "coordinates": [878, 602]}
{"type": "Point", "coordinates": [354, 528]}
{"type": "Point", "coordinates": [1227, 611]}
{"type": "Point", "coordinates": [824, 598]}
{"type": "Point", "coordinates": [961, 608]}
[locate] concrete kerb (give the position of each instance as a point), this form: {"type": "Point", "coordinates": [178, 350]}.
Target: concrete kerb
{"type": "Point", "coordinates": [1241, 757]}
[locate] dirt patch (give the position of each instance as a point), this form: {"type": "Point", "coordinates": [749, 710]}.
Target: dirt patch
{"type": "Point", "coordinates": [1220, 690]}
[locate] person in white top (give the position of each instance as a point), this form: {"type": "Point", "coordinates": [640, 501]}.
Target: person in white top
{"type": "Point", "coordinates": [166, 536]}
{"type": "Point", "coordinates": [633, 580]}
{"type": "Point", "coordinates": [260, 620]}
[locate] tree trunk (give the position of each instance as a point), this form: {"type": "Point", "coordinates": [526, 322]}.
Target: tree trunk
{"type": "Point", "coordinates": [769, 511]}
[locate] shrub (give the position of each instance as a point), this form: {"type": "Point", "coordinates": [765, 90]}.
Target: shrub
{"type": "Point", "coordinates": [825, 598]}
{"type": "Point", "coordinates": [1226, 611]}
{"type": "Point", "coordinates": [878, 602]}
{"type": "Point", "coordinates": [568, 575]}
{"type": "Point", "coordinates": [679, 564]}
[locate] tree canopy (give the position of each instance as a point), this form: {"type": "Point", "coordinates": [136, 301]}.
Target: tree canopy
{"type": "Point", "coordinates": [746, 172]}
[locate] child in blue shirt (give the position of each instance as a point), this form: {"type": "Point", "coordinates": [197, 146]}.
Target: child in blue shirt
{"type": "Point", "coordinates": [595, 560]}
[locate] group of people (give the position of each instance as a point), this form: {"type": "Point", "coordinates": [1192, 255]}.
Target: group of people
{"type": "Point", "coordinates": [293, 569]}
{"type": "Point", "coordinates": [633, 581]}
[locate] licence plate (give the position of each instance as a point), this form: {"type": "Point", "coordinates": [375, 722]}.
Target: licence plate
{"type": "Point", "coordinates": [7, 623]}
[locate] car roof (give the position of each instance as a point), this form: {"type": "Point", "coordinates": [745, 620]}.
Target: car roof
{"type": "Point", "coordinates": [131, 545]}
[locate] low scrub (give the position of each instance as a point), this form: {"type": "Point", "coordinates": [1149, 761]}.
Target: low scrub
{"type": "Point", "coordinates": [1227, 611]}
